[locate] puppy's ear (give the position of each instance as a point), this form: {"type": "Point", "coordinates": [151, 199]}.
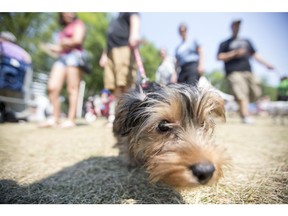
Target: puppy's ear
{"type": "Point", "coordinates": [210, 105]}
{"type": "Point", "coordinates": [125, 111]}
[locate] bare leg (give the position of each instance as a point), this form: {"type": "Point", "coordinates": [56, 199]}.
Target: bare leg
{"type": "Point", "coordinates": [243, 106]}
{"type": "Point", "coordinates": [119, 90]}
{"type": "Point", "coordinates": [73, 84]}
{"type": "Point", "coordinates": [244, 112]}
{"type": "Point", "coordinates": [55, 85]}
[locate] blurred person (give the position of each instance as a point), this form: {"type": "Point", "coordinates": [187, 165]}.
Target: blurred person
{"type": "Point", "coordinates": [90, 111]}
{"type": "Point", "coordinates": [9, 48]}
{"type": "Point", "coordinates": [166, 72]}
{"type": "Point", "coordinates": [15, 76]}
{"type": "Point", "coordinates": [236, 52]}
{"type": "Point", "coordinates": [189, 56]}
{"type": "Point", "coordinates": [282, 89]}
{"type": "Point", "coordinates": [102, 103]}
{"type": "Point", "coordinates": [118, 60]}
{"type": "Point", "coordinates": [68, 67]}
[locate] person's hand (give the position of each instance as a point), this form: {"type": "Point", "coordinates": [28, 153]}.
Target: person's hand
{"type": "Point", "coordinates": [174, 78]}
{"type": "Point", "coordinates": [65, 43]}
{"type": "Point", "coordinates": [241, 52]}
{"type": "Point", "coordinates": [52, 50]}
{"type": "Point", "coordinates": [134, 41]}
{"type": "Point", "coordinates": [270, 67]}
{"type": "Point", "coordinates": [200, 70]}
{"type": "Point", "coordinates": [103, 60]}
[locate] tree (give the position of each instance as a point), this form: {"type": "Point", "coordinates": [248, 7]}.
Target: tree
{"type": "Point", "coordinates": [217, 79]}
{"type": "Point", "coordinates": [151, 59]}
{"type": "Point", "coordinates": [268, 90]}
{"type": "Point", "coordinates": [95, 43]}
{"type": "Point", "coordinates": [30, 29]}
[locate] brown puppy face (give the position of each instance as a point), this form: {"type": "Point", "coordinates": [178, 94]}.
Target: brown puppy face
{"type": "Point", "coordinates": [169, 131]}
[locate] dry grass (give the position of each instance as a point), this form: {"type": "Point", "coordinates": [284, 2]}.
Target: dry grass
{"type": "Point", "coordinates": [80, 165]}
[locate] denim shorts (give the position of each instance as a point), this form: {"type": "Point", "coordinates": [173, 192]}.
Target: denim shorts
{"type": "Point", "coordinates": [73, 58]}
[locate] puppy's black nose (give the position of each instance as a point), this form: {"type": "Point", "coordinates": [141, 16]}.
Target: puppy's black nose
{"type": "Point", "coordinates": [203, 171]}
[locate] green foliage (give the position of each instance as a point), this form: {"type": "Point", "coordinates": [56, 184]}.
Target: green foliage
{"type": "Point", "coordinates": [269, 91]}
{"type": "Point", "coordinates": [95, 43]}
{"type": "Point", "coordinates": [283, 87]}
{"type": "Point", "coordinates": [217, 79]}
{"type": "Point", "coordinates": [151, 59]}
{"type": "Point", "coordinates": [31, 29]}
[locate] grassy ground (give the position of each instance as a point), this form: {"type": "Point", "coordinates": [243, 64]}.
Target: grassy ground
{"type": "Point", "coordinates": [80, 165]}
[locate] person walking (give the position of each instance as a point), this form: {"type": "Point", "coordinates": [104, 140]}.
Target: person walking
{"type": "Point", "coordinates": [236, 52]}
{"type": "Point", "coordinates": [189, 56]}
{"type": "Point", "coordinates": [166, 72]}
{"type": "Point", "coordinates": [118, 59]}
{"type": "Point", "coordinates": [68, 67]}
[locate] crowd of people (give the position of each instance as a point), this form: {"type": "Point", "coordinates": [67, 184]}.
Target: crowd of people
{"type": "Point", "coordinates": [120, 68]}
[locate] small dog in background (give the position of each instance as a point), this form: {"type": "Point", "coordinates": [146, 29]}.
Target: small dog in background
{"type": "Point", "coordinates": [168, 130]}
{"type": "Point", "coordinates": [278, 109]}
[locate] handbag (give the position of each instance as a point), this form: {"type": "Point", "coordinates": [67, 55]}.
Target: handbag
{"type": "Point", "coordinates": [85, 61]}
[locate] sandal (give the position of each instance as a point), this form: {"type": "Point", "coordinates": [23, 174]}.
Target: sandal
{"type": "Point", "coordinates": [68, 124]}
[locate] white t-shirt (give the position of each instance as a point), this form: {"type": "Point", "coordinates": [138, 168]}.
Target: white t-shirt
{"type": "Point", "coordinates": [165, 70]}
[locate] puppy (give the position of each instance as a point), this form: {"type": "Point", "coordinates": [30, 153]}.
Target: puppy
{"type": "Point", "coordinates": [168, 130]}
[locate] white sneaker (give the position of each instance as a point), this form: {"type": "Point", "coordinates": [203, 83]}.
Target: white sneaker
{"type": "Point", "coordinates": [247, 120]}
{"type": "Point", "coordinates": [111, 118]}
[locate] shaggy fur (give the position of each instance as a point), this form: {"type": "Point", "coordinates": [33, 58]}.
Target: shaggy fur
{"type": "Point", "coordinates": [169, 131]}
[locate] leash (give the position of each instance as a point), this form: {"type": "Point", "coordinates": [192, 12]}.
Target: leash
{"type": "Point", "coordinates": [145, 80]}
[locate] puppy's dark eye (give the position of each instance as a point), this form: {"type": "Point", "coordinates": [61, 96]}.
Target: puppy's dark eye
{"type": "Point", "coordinates": [163, 126]}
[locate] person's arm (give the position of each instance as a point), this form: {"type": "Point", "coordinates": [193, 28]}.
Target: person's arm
{"type": "Point", "coordinates": [103, 59]}
{"type": "Point", "coordinates": [134, 34]}
{"type": "Point", "coordinates": [227, 56]}
{"type": "Point", "coordinates": [258, 58]}
{"type": "Point", "coordinates": [77, 39]}
{"type": "Point", "coordinates": [52, 50]}
{"type": "Point", "coordinates": [200, 68]}
{"type": "Point", "coordinates": [174, 77]}
{"type": "Point", "coordinates": [27, 57]}
{"type": "Point", "coordinates": [174, 69]}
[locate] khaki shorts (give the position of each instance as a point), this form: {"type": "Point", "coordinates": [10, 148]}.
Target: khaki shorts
{"type": "Point", "coordinates": [120, 69]}
{"type": "Point", "coordinates": [244, 85]}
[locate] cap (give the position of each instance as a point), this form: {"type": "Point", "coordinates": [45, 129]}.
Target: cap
{"type": "Point", "coordinates": [8, 36]}
{"type": "Point", "coordinates": [105, 91]}
{"type": "Point", "coordinates": [236, 21]}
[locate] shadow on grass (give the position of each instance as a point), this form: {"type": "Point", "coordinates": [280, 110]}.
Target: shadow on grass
{"type": "Point", "coordinates": [98, 180]}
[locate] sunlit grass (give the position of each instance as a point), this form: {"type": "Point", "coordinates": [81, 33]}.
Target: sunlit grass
{"type": "Point", "coordinates": [80, 165]}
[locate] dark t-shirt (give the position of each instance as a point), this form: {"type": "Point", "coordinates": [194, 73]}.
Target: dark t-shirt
{"type": "Point", "coordinates": [241, 63]}
{"type": "Point", "coordinates": [118, 31]}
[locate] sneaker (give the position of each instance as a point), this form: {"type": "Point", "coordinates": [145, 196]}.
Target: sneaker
{"type": "Point", "coordinates": [111, 118]}
{"type": "Point", "coordinates": [247, 120]}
